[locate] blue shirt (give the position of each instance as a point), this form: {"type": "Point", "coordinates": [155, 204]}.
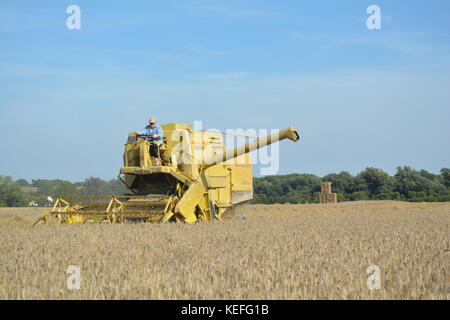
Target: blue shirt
{"type": "Point", "coordinates": [150, 132]}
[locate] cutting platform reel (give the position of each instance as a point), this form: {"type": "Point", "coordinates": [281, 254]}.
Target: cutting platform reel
{"type": "Point", "coordinates": [110, 209]}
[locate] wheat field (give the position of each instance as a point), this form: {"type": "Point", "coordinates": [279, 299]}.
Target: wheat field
{"type": "Point", "coordinates": [264, 252]}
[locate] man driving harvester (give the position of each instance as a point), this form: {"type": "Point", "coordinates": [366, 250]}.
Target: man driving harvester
{"type": "Point", "coordinates": [154, 134]}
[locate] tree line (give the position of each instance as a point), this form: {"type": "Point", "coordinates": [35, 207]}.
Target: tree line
{"type": "Point", "coordinates": [406, 184]}
{"type": "Point", "coordinates": [371, 184]}
{"type": "Point", "coordinates": [21, 192]}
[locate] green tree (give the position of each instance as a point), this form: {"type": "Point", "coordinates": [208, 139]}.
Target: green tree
{"type": "Point", "coordinates": [113, 187]}
{"type": "Point", "coordinates": [379, 184]}
{"type": "Point", "coordinates": [293, 188]}
{"type": "Point", "coordinates": [445, 173]}
{"type": "Point", "coordinates": [417, 185]}
{"type": "Point", "coordinates": [96, 186]}
{"type": "Point", "coordinates": [55, 188]}
{"type": "Point", "coordinates": [92, 186]}
{"type": "Point", "coordinates": [10, 193]}
{"type": "Point", "coordinates": [23, 183]}
{"type": "Point", "coordinates": [65, 188]}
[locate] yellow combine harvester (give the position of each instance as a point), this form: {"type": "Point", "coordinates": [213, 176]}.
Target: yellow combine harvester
{"type": "Point", "coordinates": [197, 179]}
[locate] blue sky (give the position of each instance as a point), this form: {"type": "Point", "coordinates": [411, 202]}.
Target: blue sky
{"type": "Point", "coordinates": [359, 97]}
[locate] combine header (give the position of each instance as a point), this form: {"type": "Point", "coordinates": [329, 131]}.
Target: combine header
{"type": "Point", "coordinates": [108, 209]}
{"type": "Point", "coordinates": [198, 179]}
